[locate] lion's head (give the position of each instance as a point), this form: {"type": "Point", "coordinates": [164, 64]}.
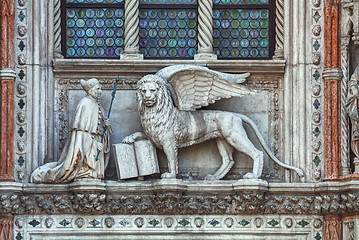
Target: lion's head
{"type": "Point", "coordinates": [152, 93]}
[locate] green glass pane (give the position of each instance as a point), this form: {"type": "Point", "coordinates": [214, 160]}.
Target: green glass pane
{"type": "Point", "coordinates": [94, 1]}
{"type": "Point", "coordinates": [235, 24]}
{"type": "Point", "coordinates": [235, 14]}
{"type": "Point", "coordinates": [254, 24]}
{"type": "Point", "coordinates": [168, 2]}
{"type": "Point", "coordinates": [240, 2]}
{"type": "Point", "coordinates": [264, 24]}
{"type": "Point", "coordinates": [263, 14]}
{"type": "Point", "coordinates": [264, 33]}
{"type": "Point", "coordinates": [244, 24]}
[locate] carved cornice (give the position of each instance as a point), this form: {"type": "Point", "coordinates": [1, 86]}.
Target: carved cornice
{"type": "Point", "coordinates": [112, 67]}
{"type": "Point", "coordinates": [182, 197]}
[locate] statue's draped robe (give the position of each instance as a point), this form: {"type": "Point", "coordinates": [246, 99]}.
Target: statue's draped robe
{"type": "Point", "coordinates": [78, 158]}
{"type": "Point", "coordinates": [352, 106]}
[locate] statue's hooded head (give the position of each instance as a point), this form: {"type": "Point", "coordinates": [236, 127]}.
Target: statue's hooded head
{"type": "Point", "coordinates": [92, 87]}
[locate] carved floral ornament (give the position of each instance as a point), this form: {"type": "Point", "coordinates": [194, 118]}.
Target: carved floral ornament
{"type": "Point", "coordinates": [256, 203]}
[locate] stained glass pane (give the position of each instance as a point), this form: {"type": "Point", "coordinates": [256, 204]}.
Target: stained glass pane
{"type": "Point", "coordinates": [240, 2]}
{"type": "Point", "coordinates": [241, 33]}
{"type": "Point", "coordinates": [168, 33]}
{"type": "Point", "coordinates": [94, 1]}
{"type": "Point", "coordinates": [168, 1]}
{"type": "Point", "coordinates": [94, 32]}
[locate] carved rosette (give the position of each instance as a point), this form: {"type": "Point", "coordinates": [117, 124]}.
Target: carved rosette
{"type": "Point", "coordinates": [131, 27]}
{"type": "Point", "coordinates": [205, 27]}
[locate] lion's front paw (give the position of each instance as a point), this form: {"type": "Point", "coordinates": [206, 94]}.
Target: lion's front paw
{"type": "Point", "coordinates": [250, 175]}
{"type": "Point", "coordinates": [128, 140]}
{"type": "Point", "coordinates": [168, 175]}
{"type": "Point", "coordinates": [211, 177]}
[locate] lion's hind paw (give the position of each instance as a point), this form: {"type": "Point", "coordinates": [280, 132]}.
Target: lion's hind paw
{"type": "Point", "coordinates": [250, 175]}
{"type": "Point", "coordinates": [211, 177]}
{"type": "Point", "coordinates": [168, 175]}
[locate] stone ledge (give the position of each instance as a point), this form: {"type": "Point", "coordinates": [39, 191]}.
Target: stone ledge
{"type": "Point", "coordinates": [181, 197]}
{"type": "Point", "coordinates": [112, 67]}
{"type": "Point", "coordinates": [185, 186]}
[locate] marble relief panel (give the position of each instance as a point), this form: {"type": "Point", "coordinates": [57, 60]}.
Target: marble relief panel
{"type": "Point", "coordinates": [179, 227]}
{"type": "Point", "coordinates": [265, 108]}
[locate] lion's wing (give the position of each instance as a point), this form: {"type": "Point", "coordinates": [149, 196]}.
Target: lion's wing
{"type": "Point", "coordinates": [196, 86]}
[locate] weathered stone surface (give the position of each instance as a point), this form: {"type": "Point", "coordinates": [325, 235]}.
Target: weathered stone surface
{"type": "Point", "coordinates": [180, 197]}
{"type": "Point", "coordinates": [178, 227]}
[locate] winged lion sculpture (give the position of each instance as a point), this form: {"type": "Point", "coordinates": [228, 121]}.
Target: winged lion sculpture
{"type": "Point", "coordinates": [167, 103]}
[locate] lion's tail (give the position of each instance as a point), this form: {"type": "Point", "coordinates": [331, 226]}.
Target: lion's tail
{"type": "Point", "coordinates": [266, 148]}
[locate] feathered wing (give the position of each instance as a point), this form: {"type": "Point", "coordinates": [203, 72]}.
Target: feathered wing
{"type": "Point", "coordinates": [193, 87]}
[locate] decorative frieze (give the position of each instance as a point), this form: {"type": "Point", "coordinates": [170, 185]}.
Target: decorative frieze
{"type": "Point", "coordinates": [176, 198]}
{"type": "Point", "coordinates": [21, 90]}
{"type": "Point", "coordinates": [129, 226]}
{"type": "Point", "coordinates": [317, 91]}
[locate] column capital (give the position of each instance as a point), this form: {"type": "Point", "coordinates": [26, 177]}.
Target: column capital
{"type": "Point", "coordinates": [7, 74]}
{"type": "Point", "coordinates": [332, 74]}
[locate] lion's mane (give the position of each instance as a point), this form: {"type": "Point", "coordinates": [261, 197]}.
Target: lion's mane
{"type": "Point", "coordinates": [162, 116]}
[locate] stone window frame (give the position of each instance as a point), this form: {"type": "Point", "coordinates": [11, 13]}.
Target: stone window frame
{"type": "Point", "coordinates": [57, 73]}
{"type": "Point", "coordinates": [65, 6]}
{"type": "Point", "coordinates": [205, 30]}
